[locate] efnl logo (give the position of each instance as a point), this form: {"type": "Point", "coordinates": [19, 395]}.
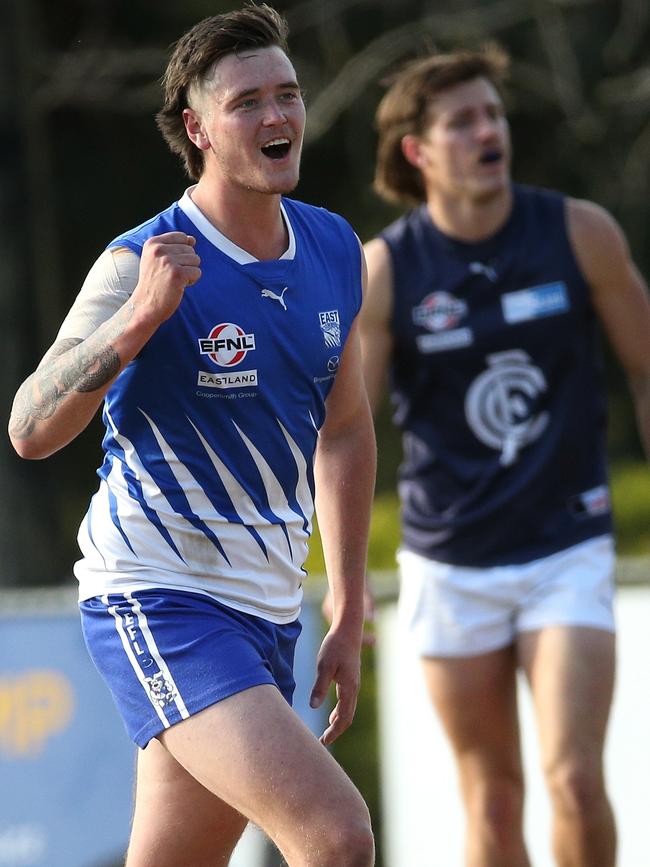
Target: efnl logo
{"type": "Point", "coordinates": [227, 346]}
{"type": "Point", "coordinates": [33, 706]}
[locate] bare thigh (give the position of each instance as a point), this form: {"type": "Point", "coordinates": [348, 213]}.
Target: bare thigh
{"type": "Point", "coordinates": [252, 752]}
{"type": "Point", "coordinates": [476, 700]}
{"type": "Point", "coordinates": [176, 819]}
{"type": "Point", "coordinates": [571, 675]}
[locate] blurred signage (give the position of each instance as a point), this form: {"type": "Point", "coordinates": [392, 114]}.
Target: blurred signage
{"type": "Point", "coordinates": [66, 763]}
{"type": "Point", "coordinates": [33, 706]}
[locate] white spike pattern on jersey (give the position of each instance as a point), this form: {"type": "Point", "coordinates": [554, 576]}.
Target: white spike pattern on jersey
{"type": "Point", "coordinates": [246, 508]}
{"type": "Point", "coordinates": [271, 534]}
{"type": "Point", "coordinates": [277, 498]}
{"type": "Point", "coordinates": [153, 496]}
{"type": "Point", "coordinates": [199, 503]}
{"type": "Point", "coordinates": [303, 492]}
{"type": "Point", "coordinates": [259, 566]}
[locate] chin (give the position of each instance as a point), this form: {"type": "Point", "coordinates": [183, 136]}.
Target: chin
{"type": "Point", "coordinates": [281, 186]}
{"type": "Point", "coordinates": [484, 193]}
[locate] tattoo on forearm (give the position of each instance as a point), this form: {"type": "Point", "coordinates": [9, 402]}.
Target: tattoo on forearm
{"type": "Point", "coordinates": [72, 365]}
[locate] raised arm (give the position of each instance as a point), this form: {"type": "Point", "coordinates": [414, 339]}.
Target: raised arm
{"type": "Point", "coordinates": [619, 295]}
{"type": "Point", "coordinates": [345, 477]}
{"type": "Point", "coordinates": [60, 398]}
{"type": "Point", "coordinates": [374, 320]}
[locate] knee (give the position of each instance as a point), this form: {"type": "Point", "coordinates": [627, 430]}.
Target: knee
{"type": "Point", "coordinates": [577, 788]}
{"type": "Point", "coordinates": [359, 846]}
{"type": "Point", "coordinates": [499, 807]}
{"type": "Point", "coordinates": [350, 843]}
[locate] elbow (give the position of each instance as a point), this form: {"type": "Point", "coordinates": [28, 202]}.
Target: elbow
{"type": "Point", "coordinates": [27, 446]}
{"type": "Point", "coordinates": [27, 450]}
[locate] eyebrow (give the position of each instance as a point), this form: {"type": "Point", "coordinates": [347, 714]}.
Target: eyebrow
{"type": "Point", "coordinates": [286, 85]}
{"type": "Point", "coordinates": [489, 103]}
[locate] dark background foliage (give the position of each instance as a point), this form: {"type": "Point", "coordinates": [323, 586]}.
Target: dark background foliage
{"type": "Point", "coordinates": [82, 160]}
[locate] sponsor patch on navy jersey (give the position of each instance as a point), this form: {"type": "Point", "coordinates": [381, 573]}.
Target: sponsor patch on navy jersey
{"type": "Point", "coordinates": [591, 503]}
{"type": "Point", "coordinates": [439, 311]}
{"type": "Point", "coordinates": [535, 302]}
{"type": "Point", "coordinates": [444, 340]}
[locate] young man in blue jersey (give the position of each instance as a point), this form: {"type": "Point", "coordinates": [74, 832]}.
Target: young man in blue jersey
{"type": "Point", "coordinates": [221, 338]}
{"type": "Point", "coordinates": [483, 301]}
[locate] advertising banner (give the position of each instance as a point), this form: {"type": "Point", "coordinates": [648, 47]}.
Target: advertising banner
{"type": "Point", "coordinates": [66, 763]}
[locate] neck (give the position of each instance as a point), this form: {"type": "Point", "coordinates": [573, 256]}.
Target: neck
{"type": "Point", "coordinates": [470, 220]}
{"type": "Point", "coordinates": [251, 220]}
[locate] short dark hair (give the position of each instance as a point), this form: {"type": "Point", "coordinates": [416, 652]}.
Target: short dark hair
{"type": "Point", "coordinates": [405, 110]}
{"type": "Point", "coordinates": [196, 53]}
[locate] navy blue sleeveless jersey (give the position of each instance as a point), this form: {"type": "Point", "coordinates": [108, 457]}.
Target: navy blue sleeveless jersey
{"type": "Point", "coordinates": [496, 380]}
{"type": "Point", "coordinates": [207, 482]}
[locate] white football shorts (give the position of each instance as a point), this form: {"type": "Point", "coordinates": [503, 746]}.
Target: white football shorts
{"type": "Point", "coordinates": [461, 611]}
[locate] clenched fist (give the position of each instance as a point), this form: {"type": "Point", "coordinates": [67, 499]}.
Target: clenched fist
{"type": "Point", "coordinates": [168, 264]}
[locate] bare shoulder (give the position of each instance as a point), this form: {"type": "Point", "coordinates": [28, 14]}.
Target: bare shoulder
{"type": "Point", "coordinates": [618, 290]}
{"type": "Point", "coordinates": [378, 257]}
{"type": "Point", "coordinates": [597, 240]}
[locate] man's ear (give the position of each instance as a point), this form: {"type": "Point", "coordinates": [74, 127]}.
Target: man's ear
{"type": "Point", "coordinates": [412, 150]}
{"type": "Point", "coordinates": [194, 129]}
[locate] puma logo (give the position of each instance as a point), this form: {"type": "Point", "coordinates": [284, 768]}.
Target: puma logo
{"type": "Point", "coordinates": [487, 270]}
{"type": "Point", "coordinates": [269, 293]}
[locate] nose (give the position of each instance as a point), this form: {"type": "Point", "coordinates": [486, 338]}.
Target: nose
{"type": "Point", "coordinates": [273, 114]}
{"type": "Point", "coordinates": [488, 126]}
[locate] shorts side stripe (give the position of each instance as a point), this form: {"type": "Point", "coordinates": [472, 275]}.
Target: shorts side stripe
{"type": "Point", "coordinates": [126, 644]}
{"type": "Point", "coordinates": [156, 655]}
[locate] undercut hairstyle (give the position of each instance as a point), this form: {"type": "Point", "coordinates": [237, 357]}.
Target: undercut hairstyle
{"type": "Point", "coordinates": [407, 109]}
{"type": "Point", "coordinates": [192, 63]}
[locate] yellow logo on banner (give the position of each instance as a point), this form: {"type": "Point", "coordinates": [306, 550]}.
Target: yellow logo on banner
{"type": "Point", "coordinates": [33, 706]}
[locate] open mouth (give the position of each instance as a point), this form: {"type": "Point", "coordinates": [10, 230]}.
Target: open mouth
{"type": "Point", "coordinates": [491, 156]}
{"type": "Point", "coordinates": [277, 149]}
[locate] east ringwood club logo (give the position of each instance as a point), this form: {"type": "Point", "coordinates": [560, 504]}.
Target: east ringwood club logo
{"type": "Point", "coordinates": [227, 344]}
{"type": "Point", "coordinates": [331, 327]}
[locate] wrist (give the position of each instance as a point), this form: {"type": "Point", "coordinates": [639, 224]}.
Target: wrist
{"type": "Point", "coordinates": [136, 324]}
{"type": "Point", "coordinates": [349, 622]}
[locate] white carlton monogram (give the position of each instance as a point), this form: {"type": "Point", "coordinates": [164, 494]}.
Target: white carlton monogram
{"type": "Point", "coordinates": [498, 404]}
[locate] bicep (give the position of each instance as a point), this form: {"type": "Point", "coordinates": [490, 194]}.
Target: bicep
{"type": "Point", "coordinates": [618, 291]}
{"type": "Point", "coordinates": [374, 320]}
{"type": "Point", "coordinates": [625, 315]}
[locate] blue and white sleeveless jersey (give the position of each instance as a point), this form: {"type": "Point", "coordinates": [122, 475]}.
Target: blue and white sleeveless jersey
{"type": "Point", "coordinates": [496, 382]}
{"type": "Point", "coordinates": [207, 482]}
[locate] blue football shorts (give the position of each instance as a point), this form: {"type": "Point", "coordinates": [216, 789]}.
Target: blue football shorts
{"type": "Point", "coordinates": [167, 654]}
